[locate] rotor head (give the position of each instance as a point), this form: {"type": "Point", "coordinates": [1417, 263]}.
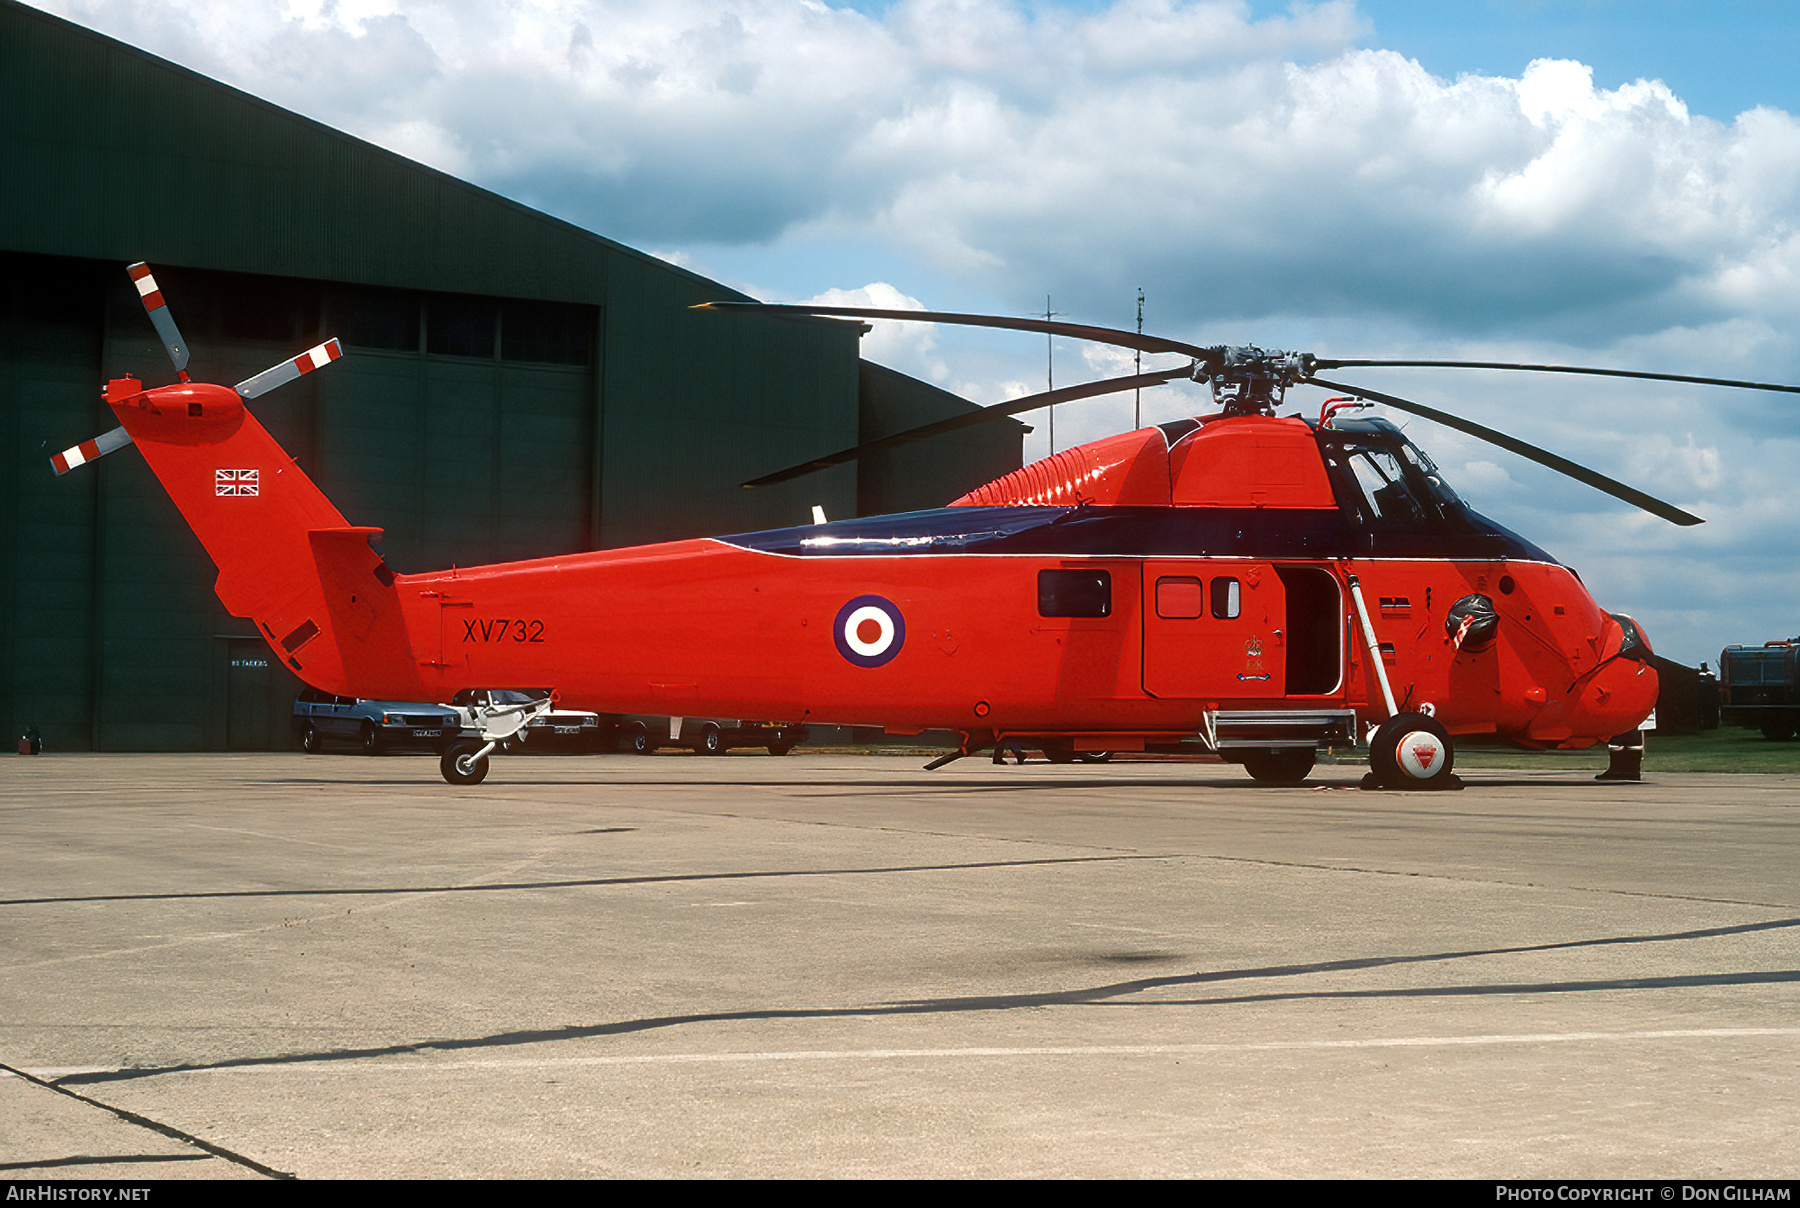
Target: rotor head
{"type": "Point", "coordinates": [1247, 380]}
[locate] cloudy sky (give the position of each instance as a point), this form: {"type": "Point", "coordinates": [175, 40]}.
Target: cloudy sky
{"type": "Point", "coordinates": [1589, 182]}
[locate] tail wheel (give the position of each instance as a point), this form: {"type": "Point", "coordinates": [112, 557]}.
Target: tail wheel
{"type": "Point", "coordinates": [1284, 766]}
{"type": "Point", "coordinates": [712, 741]}
{"type": "Point", "coordinates": [461, 765]}
{"type": "Point", "coordinates": [310, 741]}
{"type": "Point", "coordinates": [1411, 751]}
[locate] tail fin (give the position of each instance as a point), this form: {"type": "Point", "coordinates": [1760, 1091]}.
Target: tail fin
{"type": "Point", "coordinates": [287, 559]}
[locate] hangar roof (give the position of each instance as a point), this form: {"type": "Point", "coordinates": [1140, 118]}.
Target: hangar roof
{"type": "Point", "coordinates": [124, 156]}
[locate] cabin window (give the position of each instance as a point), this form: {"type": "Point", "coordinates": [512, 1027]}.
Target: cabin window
{"type": "Point", "coordinates": [1074, 593]}
{"type": "Point", "coordinates": [1225, 598]}
{"type": "Point", "coordinates": [1180, 598]}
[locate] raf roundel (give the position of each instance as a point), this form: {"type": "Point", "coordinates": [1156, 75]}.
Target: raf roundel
{"type": "Point", "coordinates": [869, 631]}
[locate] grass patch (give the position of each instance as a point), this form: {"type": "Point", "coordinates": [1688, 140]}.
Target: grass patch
{"type": "Point", "coordinates": [1727, 749]}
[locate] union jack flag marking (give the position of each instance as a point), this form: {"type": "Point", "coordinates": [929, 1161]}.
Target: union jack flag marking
{"type": "Point", "coordinates": [235, 482]}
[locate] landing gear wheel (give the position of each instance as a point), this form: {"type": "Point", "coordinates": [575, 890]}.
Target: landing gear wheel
{"type": "Point", "coordinates": [310, 741]}
{"type": "Point", "coordinates": [1288, 765]}
{"type": "Point", "coordinates": [712, 741]}
{"type": "Point", "coordinates": [1778, 731]}
{"type": "Point", "coordinates": [371, 739]}
{"type": "Point", "coordinates": [637, 740]}
{"type": "Point", "coordinates": [780, 748]}
{"type": "Point", "coordinates": [1094, 756]}
{"type": "Point", "coordinates": [460, 765]}
{"type": "Point", "coordinates": [1412, 751]}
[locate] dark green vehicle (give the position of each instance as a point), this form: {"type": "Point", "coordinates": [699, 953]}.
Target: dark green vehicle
{"type": "Point", "coordinates": [1757, 688]}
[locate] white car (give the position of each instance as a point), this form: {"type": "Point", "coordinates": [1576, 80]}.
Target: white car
{"type": "Point", "coordinates": [706, 735]}
{"type": "Point", "coordinates": [567, 728]}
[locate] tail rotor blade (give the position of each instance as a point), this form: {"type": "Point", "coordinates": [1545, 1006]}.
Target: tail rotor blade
{"type": "Point", "coordinates": [158, 310]}
{"type": "Point", "coordinates": [1530, 452]}
{"type": "Point", "coordinates": [287, 371]}
{"type": "Point", "coordinates": [90, 450]}
{"type": "Point", "coordinates": [1029, 402]}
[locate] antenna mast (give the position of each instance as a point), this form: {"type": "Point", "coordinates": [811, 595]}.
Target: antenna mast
{"type": "Point", "coordinates": [1050, 366]}
{"type": "Point", "coordinates": [1137, 409]}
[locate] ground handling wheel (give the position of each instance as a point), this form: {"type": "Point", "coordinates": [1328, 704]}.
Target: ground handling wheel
{"type": "Point", "coordinates": [462, 763]}
{"type": "Point", "coordinates": [1411, 751]}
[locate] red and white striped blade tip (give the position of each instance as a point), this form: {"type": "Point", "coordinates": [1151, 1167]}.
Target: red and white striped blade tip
{"type": "Point", "coordinates": [88, 450]}
{"type": "Point", "coordinates": [287, 371]}
{"type": "Point", "coordinates": [158, 310]}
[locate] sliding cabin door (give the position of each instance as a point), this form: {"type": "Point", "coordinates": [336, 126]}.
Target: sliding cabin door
{"type": "Point", "coordinates": [1223, 630]}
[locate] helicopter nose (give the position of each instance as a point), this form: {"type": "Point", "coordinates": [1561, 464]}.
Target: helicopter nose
{"type": "Point", "coordinates": [1622, 692]}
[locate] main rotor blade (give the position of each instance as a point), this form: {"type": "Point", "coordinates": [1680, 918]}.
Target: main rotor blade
{"type": "Point", "coordinates": [1582, 369]}
{"type": "Point", "coordinates": [287, 371]}
{"type": "Point", "coordinates": [158, 310]}
{"type": "Point", "coordinates": [1530, 452]}
{"type": "Point", "coordinates": [1029, 402]}
{"type": "Point", "coordinates": [1100, 335]}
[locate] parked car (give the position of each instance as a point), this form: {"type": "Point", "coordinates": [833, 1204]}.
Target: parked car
{"type": "Point", "coordinates": [372, 725]}
{"type": "Point", "coordinates": [706, 735]}
{"type": "Point", "coordinates": [567, 728]}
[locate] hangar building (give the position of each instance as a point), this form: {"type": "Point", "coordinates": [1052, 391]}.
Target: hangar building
{"type": "Point", "coordinates": [512, 386]}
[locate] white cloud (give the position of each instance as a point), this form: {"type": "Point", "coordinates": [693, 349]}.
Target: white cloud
{"type": "Point", "coordinates": [908, 347]}
{"type": "Point", "coordinates": [1235, 167]}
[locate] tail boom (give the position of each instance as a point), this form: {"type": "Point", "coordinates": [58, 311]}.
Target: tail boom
{"type": "Point", "coordinates": [287, 558]}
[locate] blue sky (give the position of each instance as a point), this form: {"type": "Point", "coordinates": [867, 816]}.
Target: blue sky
{"type": "Point", "coordinates": [1721, 58]}
{"type": "Point", "coordinates": [1589, 183]}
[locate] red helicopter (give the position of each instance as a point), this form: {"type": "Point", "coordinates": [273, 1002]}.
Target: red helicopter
{"type": "Point", "coordinates": [1239, 583]}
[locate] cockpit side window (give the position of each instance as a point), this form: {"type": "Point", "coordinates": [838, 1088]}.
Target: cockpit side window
{"type": "Point", "coordinates": [1384, 488]}
{"type": "Point", "coordinates": [1387, 479]}
{"type": "Point", "coordinates": [1434, 479]}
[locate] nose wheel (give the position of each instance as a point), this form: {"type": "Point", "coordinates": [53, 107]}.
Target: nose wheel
{"type": "Point", "coordinates": [1411, 751]}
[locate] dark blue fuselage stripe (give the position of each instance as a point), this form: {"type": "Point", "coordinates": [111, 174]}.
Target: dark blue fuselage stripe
{"type": "Point", "coordinates": [1146, 532]}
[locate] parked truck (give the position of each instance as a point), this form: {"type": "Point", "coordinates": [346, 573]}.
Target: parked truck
{"type": "Point", "coordinates": [1758, 689]}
